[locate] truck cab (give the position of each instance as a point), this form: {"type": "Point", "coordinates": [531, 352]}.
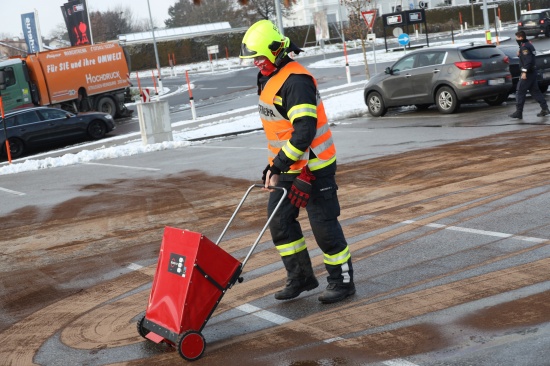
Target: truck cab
{"type": "Point", "coordinates": [18, 90]}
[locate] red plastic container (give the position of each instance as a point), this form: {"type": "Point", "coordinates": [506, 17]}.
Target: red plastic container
{"type": "Point", "coordinates": [192, 275]}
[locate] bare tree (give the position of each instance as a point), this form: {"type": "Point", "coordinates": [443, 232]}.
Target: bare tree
{"type": "Point", "coordinates": [59, 32]}
{"type": "Point", "coordinates": [357, 25]}
{"type": "Point", "coordinates": [236, 12]}
{"type": "Point", "coordinates": [109, 24]}
{"type": "Point", "coordinates": [185, 13]}
{"type": "Point", "coordinates": [265, 9]}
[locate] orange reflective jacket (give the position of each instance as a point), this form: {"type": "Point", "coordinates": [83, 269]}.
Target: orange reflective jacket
{"type": "Point", "coordinates": [278, 129]}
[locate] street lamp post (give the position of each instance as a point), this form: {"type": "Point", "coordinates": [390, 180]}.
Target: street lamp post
{"type": "Point", "coordinates": [155, 46]}
{"type": "Point", "coordinates": [279, 16]}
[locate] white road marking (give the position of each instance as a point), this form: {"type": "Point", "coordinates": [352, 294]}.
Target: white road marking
{"type": "Point", "coordinates": [480, 232]}
{"type": "Point", "coordinates": [12, 192]}
{"type": "Point", "coordinates": [134, 267]}
{"type": "Point", "coordinates": [398, 362]}
{"type": "Point", "coordinates": [264, 314]}
{"type": "Point", "coordinates": [123, 166]}
{"type": "Point", "coordinates": [336, 339]}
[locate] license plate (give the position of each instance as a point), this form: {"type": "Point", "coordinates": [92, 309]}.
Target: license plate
{"type": "Point", "coordinates": [496, 81]}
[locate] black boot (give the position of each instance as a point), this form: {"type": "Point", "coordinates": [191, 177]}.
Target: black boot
{"type": "Point", "coordinates": [516, 114]}
{"type": "Point", "coordinates": [337, 292]}
{"type": "Point", "coordinates": [294, 287]}
{"type": "Point", "coordinates": [300, 276]}
{"type": "Point", "coordinates": [543, 112]}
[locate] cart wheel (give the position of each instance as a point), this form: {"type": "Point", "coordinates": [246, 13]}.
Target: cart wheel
{"type": "Point", "coordinates": [142, 331]}
{"type": "Point", "coordinates": [191, 345]}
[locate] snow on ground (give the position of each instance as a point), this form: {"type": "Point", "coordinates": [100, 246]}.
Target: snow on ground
{"type": "Point", "coordinates": [338, 107]}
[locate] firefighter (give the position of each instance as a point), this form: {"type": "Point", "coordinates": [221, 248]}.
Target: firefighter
{"type": "Point", "coordinates": [528, 78]}
{"type": "Point", "coordinates": [302, 159]}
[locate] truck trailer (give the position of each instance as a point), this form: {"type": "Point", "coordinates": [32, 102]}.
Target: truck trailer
{"type": "Point", "coordinates": [93, 77]}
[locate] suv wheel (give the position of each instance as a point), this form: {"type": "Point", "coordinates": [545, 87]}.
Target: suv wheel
{"type": "Point", "coordinates": [376, 105]}
{"type": "Point", "coordinates": [446, 100]}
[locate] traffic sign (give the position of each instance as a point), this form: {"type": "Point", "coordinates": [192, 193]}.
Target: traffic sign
{"type": "Point", "coordinates": [212, 49]}
{"type": "Point", "coordinates": [489, 6]}
{"type": "Point", "coordinates": [394, 19]}
{"type": "Point", "coordinates": [369, 16]}
{"type": "Point", "coordinates": [403, 39]}
{"type": "Point", "coordinates": [397, 31]}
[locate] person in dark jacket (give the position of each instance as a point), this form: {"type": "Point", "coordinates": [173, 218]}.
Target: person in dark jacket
{"type": "Point", "coordinates": [302, 159]}
{"type": "Point", "coordinates": [528, 78]}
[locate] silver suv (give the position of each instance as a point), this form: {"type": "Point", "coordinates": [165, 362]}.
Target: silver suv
{"type": "Point", "coordinates": [445, 75]}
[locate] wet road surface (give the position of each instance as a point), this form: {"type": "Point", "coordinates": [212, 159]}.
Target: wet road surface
{"type": "Point", "coordinates": [450, 245]}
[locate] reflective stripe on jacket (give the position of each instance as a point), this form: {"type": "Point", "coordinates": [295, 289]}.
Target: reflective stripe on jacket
{"type": "Point", "coordinates": [278, 129]}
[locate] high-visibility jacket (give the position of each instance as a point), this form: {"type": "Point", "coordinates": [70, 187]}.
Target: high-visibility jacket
{"type": "Point", "coordinates": [278, 129]}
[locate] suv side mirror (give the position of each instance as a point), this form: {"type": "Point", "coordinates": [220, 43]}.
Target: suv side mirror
{"type": "Point", "coordinates": [388, 71]}
{"type": "Point", "coordinates": [2, 80]}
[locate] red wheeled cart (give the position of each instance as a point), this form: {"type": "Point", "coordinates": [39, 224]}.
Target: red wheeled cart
{"type": "Point", "coordinates": [192, 276]}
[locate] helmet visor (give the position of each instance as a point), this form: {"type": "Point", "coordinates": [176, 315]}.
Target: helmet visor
{"type": "Point", "coordinates": [247, 52]}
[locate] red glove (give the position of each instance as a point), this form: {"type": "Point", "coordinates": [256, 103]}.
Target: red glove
{"type": "Point", "coordinates": [301, 188]}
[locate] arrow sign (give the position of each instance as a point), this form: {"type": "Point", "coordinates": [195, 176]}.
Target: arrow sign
{"type": "Point", "coordinates": [403, 39]}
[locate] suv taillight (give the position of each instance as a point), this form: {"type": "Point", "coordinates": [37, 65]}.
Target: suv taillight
{"type": "Point", "coordinates": [520, 24]}
{"type": "Point", "coordinates": [542, 21]}
{"type": "Point", "coordinates": [468, 65]}
{"type": "Point", "coordinates": [506, 59]}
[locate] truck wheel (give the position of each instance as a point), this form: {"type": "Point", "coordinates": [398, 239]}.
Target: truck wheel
{"type": "Point", "coordinates": [97, 129]}
{"type": "Point", "coordinates": [17, 147]}
{"type": "Point", "coordinates": [446, 99]}
{"type": "Point", "coordinates": [106, 105]}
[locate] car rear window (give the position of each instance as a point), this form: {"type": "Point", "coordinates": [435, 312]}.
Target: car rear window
{"type": "Point", "coordinates": [481, 53]}
{"type": "Point", "coordinates": [527, 17]}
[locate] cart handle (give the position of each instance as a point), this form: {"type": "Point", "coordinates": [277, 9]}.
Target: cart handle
{"type": "Point", "coordinates": [266, 225]}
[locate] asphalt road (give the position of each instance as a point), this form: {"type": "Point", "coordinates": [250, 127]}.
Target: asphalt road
{"type": "Point", "coordinates": [446, 216]}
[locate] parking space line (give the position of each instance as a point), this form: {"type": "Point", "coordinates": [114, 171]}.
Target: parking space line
{"type": "Point", "coordinates": [480, 232]}
{"type": "Point", "coordinates": [264, 314]}
{"type": "Point", "coordinates": [123, 166]}
{"type": "Point", "coordinates": [12, 192]}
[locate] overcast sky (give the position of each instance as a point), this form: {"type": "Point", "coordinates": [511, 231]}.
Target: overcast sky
{"type": "Point", "coordinates": [49, 12]}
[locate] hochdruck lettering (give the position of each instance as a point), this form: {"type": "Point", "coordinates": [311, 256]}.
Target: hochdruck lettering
{"type": "Point", "coordinates": [92, 79]}
{"type": "Point", "coordinates": [265, 111]}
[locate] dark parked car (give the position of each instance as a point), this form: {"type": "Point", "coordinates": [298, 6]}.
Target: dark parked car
{"type": "Point", "coordinates": [542, 61]}
{"type": "Point", "coordinates": [42, 126]}
{"type": "Point", "coordinates": [446, 76]}
{"type": "Point", "coordinates": [535, 22]}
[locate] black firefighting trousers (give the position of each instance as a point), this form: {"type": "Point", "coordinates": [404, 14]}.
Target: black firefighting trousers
{"type": "Point", "coordinates": [323, 210]}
